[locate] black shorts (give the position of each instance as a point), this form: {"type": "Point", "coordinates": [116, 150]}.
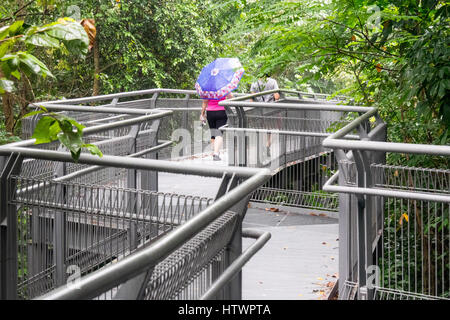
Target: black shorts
{"type": "Point", "coordinates": [216, 119]}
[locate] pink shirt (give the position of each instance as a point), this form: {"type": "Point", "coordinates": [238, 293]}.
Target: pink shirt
{"type": "Point", "coordinates": [213, 105]}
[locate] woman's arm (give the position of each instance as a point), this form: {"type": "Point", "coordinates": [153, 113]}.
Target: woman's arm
{"type": "Point", "coordinates": [204, 105]}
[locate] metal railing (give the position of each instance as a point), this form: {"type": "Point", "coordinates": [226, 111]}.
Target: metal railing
{"type": "Point", "coordinates": [149, 244]}
{"type": "Point", "coordinates": [286, 136]}
{"type": "Point", "coordinates": [100, 214]}
{"type": "Point", "coordinates": [393, 221]}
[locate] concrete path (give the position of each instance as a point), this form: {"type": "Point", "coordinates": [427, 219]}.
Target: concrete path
{"type": "Point", "coordinates": [299, 262]}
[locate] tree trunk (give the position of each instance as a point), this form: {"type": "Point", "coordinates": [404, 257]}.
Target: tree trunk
{"type": "Point", "coordinates": [8, 111]}
{"type": "Point", "coordinates": [96, 89]}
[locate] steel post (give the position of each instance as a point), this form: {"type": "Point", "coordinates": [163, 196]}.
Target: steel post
{"type": "Point", "coordinates": [8, 228]}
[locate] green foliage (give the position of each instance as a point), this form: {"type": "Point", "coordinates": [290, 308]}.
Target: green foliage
{"type": "Point", "coordinates": [12, 61]}
{"type": "Point", "coordinates": [143, 44]}
{"type": "Point", "coordinates": [389, 54]}
{"type": "Point", "coordinates": [415, 238]}
{"type": "Point", "coordinates": [5, 137]}
{"type": "Point", "coordinates": [65, 33]}
{"type": "Point", "coordinates": [55, 126]}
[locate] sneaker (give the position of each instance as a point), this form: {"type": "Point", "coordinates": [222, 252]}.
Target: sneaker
{"type": "Point", "coordinates": [216, 157]}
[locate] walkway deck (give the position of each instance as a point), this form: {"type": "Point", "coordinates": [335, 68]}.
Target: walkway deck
{"type": "Point", "coordinates": [300, 261]}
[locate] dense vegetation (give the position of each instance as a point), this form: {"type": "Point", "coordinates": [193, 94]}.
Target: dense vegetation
{"type": "Point", "coordinates": [384, 53]}
{"type": "Point", "coordinates": [391, 54]}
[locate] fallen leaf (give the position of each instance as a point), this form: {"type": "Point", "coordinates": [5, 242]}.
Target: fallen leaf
{"type": "Point", "coordinates": [313, 214]}
{"type": "Point", "coordinates": [405, 217]}
{"type": "Point", "coordinates": [323, 215]}
{"type": "Point", "coordinates": [319, 278]}
{"type": "Point", "coordinates": [324, 242]}
{"type": "Point", "coordinates": [330, 284]}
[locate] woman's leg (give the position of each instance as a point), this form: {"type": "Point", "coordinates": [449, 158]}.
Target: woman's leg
{"type": "Point", "coordinates": [212, 124]}
{"type": "Point", "coordinates": [218, 144]}
{"type": "Point", "coordinates": [212, 145]}
{"type": "Point", "coordinates": [221, 121]}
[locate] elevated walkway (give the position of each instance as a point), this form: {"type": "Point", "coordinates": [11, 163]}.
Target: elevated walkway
{"type": "Point", "coordinates": [300, 262]}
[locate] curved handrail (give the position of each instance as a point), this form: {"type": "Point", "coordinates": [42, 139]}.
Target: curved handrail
{"type": "Point", "coordinates": [113, 275]}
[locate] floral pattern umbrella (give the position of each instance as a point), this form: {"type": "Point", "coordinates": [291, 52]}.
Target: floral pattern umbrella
{"type": "Point", "coordinates": [219, 78]}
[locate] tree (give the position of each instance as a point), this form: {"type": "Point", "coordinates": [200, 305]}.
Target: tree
{"type": "Point", "coordinates": [391, 54]}
{"type": "Point", "coordinates": [17, 41]}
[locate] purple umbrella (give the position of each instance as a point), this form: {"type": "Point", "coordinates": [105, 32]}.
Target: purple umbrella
{"type": "Point", "coordinates": [219, 78]}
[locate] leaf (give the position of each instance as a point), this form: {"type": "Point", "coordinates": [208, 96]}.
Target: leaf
{"type": "Point", "coordinates": [42, 40]}
{"type": "Point", "coordinates": [93, 149]}
{"type": "Point", "coordinates": [32, 65]}
{"type": "Point", "coordinates": [68, 31]}
{"type": "Point", "coordinates": [91, 31]}
{"type": "Point", "coordinates": [4, 31]}
{"type": "Point", "coordinates": [6, 86]}
{"type": "Point", "coordinates": [32, 113]}
{"type": "Point", "coordinates": [15, 28]}
{"type": "Point", "coordinates": [5, 46]}
{"type": "Point", "coordinates": [42, 130]}
{"type": "Point", "coordinates": [405, 217]}
{"type": "Point", "coordinates": [71, 140]}
{"type": "Point", "coordinates": [16, 74]}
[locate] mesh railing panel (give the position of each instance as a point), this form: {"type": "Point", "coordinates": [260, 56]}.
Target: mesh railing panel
{"type": "Point", "coordinates": [410, 238]}
{"type": "Point", "coordinates": [101, 225]}
{"type": "Point", "coordinates": [192, 265]}
{"type": "Point", "coordinates": [300, 185]}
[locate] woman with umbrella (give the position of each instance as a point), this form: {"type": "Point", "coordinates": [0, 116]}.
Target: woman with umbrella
{"type": "Point", "coordinates": [214, 84]}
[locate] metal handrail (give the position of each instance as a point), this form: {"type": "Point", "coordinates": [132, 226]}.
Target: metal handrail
{"type": "Point", "coordinates": [261, 239]}
{"type": "Point", "coordinates": [132, 163]}
{"type": "Point", "coordinates": [109, 277]}
{"type": "Point", "coordinates": [328, 186]}
{"type": "Point", "coordinates": [286, 132]}
{"type": "Point", "coordinates": [282, 91]}
{"type": "Point", "coordinates": [154, 115]}
{"type": "Point", "coordinates": [297, 106]}
{"type": "Point", "coordinates": [335, 141]}
{"type": "Point", "coordinates": [120, 95]}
